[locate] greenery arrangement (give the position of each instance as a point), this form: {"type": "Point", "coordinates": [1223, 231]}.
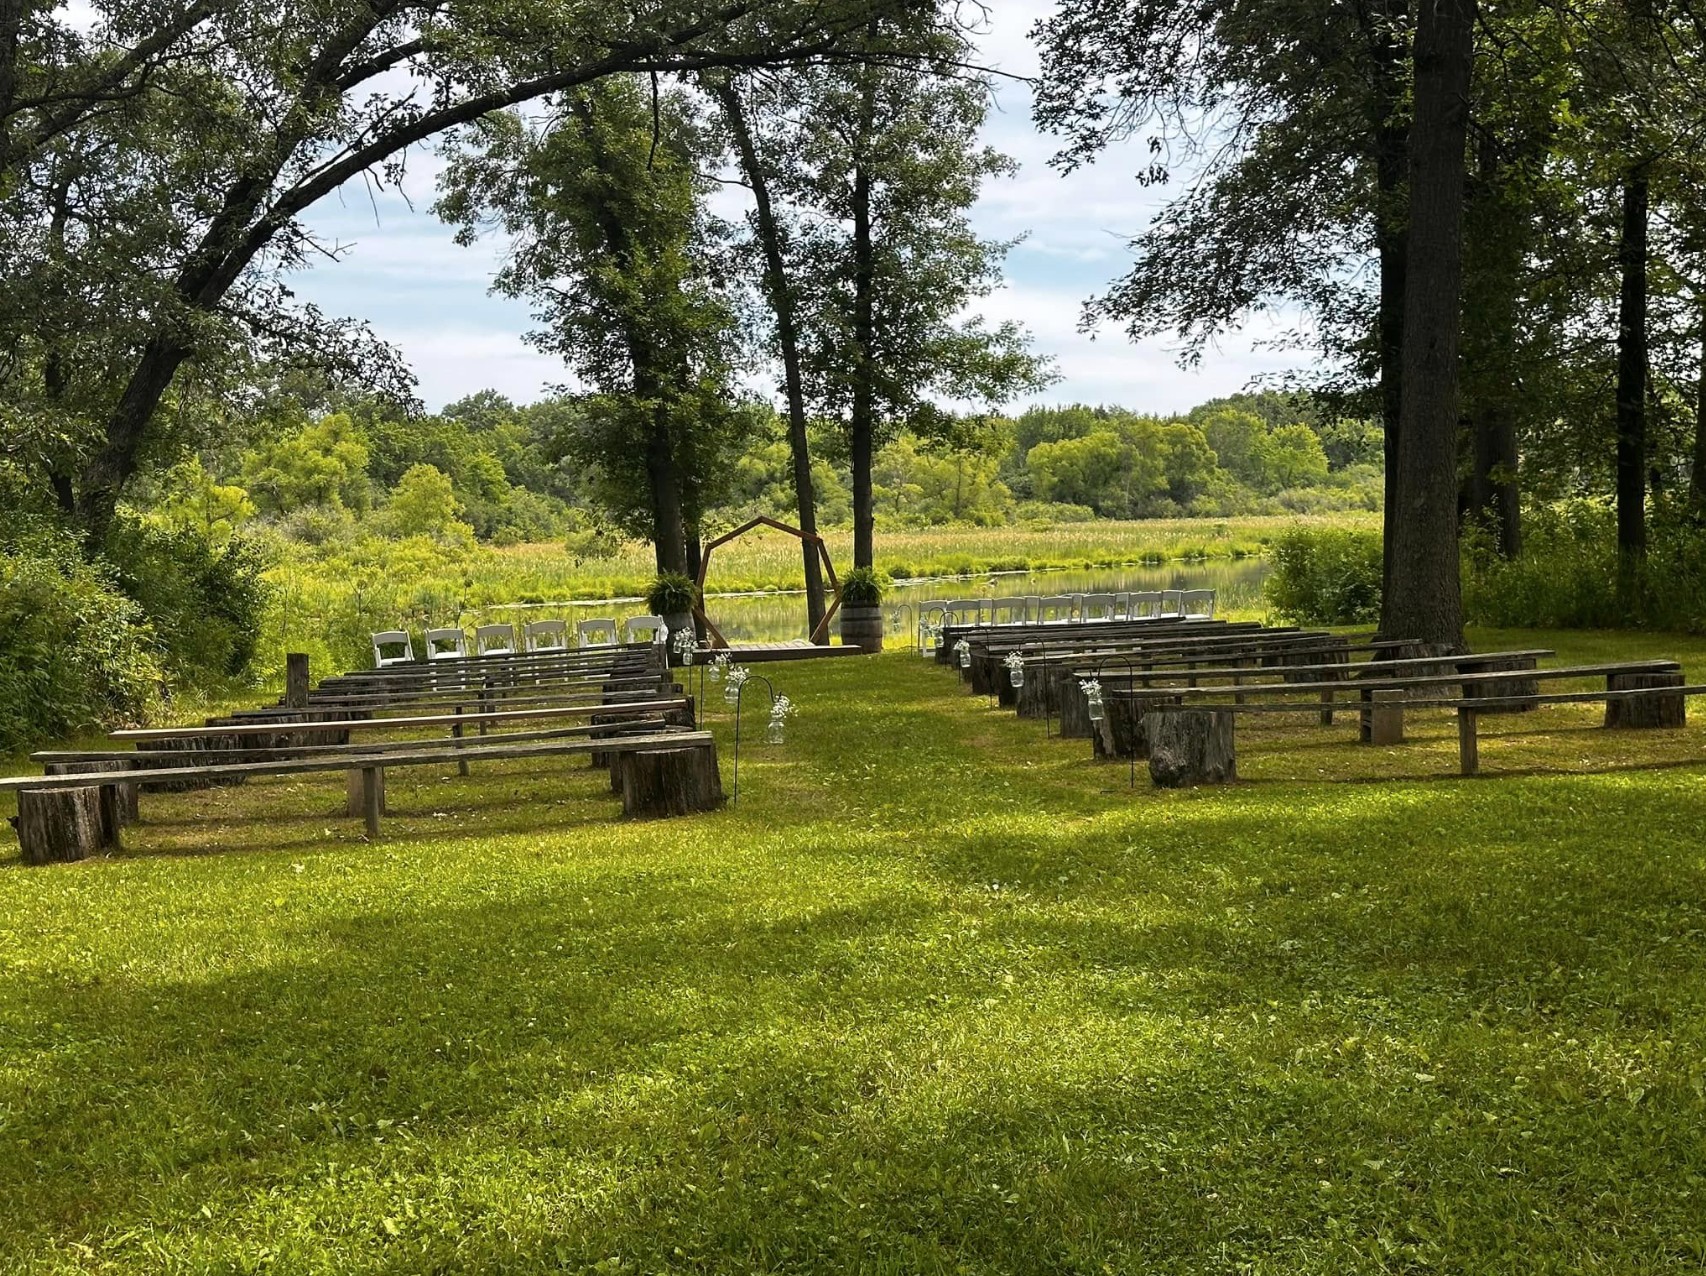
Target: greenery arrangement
{"type": "Point", "coordinates": [863, 587]}
{"type": "Point", "coordinates": [671, 593]}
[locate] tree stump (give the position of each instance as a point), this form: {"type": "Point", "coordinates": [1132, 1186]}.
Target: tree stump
{"type": "Point", "coordinates": [1035, 697]}
{"type": "Point", "coordinates": [1006, 694]}
{"type": "Point", "coordinates": [682, 717]}
{"type": "Point", "coordinates": [61, 825]}
{"type": "Point", "coordinates": [665, 782]}
{"type": "Point", "coordinates": [1123, 730]}
{"type": "Point", "coordinates": [1075, 721]}
{"type": "Point", "coordinates": [1191, 746]}
{"type": "Point", "coordinates": [122, 797]}
{"type": "Point", "coordinates": [1646, 711]}
{"type": "Point", "coordinates": [1491, 696]}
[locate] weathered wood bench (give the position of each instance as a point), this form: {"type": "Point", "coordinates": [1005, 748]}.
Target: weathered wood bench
{"type": "Point", "coordinates": [71, 816]}
{"type": "Point", "coordinates": [1191, 742]}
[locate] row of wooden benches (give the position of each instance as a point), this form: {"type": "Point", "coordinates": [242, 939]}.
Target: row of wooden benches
{"type": "Point", "coordinates": [632, 718]}
{"type": "Point", "coordinates": [1172, 695]}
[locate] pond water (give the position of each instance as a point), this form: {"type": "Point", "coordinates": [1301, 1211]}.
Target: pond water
{"type": "Point", "coordinates": [776, 617]}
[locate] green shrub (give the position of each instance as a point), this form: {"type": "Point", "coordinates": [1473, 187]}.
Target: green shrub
{"type": "Point", "coordinates": [1567, 576]}
{"type": "Point", "coordinates": [671, 593]}
{"type": "Point", "coordinates": [205, 602]}
{"type": "Point", "coordinates": [1326, 577]}
{"type": "Point", "coordinates": [76, 653]}
{"type": "Point", "coordinates": [863, 587]}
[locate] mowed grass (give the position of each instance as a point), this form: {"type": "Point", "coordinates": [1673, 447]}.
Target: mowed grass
{"type": "Point", "coordinates": [940, 995]}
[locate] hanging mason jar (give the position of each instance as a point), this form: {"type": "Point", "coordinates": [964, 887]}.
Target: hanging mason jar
{"type": "Point", "coordinates": [737, 675]}
{"type": "Point", "coordinates": [1093, 694]}
{"type": "Point", "coordinates": [780, 708]}
{"type": "Point", "coordinates": [684, 645]}
{"type": "Point", "coordinates": [962, 648]}
{"type": "Point", "coordinates": [1015, 670]}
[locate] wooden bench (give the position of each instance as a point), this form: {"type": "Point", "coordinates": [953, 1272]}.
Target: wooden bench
{"type": "Point", "coordinates": [1191, 742]}
{"type": "Point", "coordinates": [71, 816]}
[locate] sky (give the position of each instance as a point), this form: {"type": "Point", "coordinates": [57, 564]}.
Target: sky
{"type": "Point", "coordinates": [401, 271]}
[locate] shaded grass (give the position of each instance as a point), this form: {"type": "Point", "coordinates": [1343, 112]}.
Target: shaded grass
{"type": "Point", "coordinates": [940, 995]}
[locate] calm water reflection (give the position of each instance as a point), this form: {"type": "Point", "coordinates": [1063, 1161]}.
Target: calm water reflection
{"type": "Point", "coordinates": [777, 617]}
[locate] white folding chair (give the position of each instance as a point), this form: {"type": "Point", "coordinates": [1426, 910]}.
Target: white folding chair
{"type": "Point", "coordinates": [652, 626]}
{"type": "Point", "coordinates": [1197, 604]}
{"type": "Point", "coordinates": [965, 612]}
{"type": "Point", "coordinates": [546, 635]}
{"type": "Point", "coordinates": [931, 617]}
{"type": "Point", "coordinates": [446, 644]}
{"type": "Point", "coordinates": [1172, 603]}
{"type": "Point", "coordinates": [494, 640]}
{"type": "Point", "coordinates": [1146, 605]}
{"type": "Point", "coordinates": [1007, 611]}
{"type": "Point", "coordinates": [1096, 607]}
{"type": "Point", "coordinates": [1056, 609]}
{"type": "Point", "coordinates": [597, 633]}
{"type": "Point", "coordinates": [392, 638]}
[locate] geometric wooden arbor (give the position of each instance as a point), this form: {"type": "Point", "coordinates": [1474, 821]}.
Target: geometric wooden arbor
{"type": "Point", "coordinates": [717, 639]}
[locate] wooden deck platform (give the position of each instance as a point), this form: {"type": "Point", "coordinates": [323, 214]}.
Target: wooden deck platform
{"type": "Point", "coordinates": [758, 653]}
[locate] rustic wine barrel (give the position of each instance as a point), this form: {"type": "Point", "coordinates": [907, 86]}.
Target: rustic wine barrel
{"type": "Point", "coordinates": [862, 626]}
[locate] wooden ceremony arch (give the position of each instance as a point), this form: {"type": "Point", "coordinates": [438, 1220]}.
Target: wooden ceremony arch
{"type": "Point", "coordinates": [717, 639]}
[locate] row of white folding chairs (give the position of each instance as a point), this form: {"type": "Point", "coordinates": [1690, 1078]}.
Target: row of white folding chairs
{"type": "Point", "coordinates": [396, 647]}
{"type": "Point", "coordinates": [1181, 604]}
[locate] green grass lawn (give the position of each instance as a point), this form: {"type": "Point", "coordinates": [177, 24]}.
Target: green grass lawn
{"type": "Point", "coordinates": [941, 995]}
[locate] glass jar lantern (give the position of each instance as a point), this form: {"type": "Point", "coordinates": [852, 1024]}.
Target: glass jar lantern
{"type": "Point", "coordinates": [962, 648]}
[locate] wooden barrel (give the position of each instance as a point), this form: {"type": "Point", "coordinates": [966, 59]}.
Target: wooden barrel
{"type": "Point", "coordinates": [862, 626]}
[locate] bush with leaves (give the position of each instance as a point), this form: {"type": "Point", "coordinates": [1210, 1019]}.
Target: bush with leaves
{"type": "Point", "coordinates": [863, 587]}
{"type": "Point", "coordinates": [204, 601]}
{"type": "Point", "coordinates": [76, 654]}
{"type": "Point", "coordinates": [1326, 577]}
{"type": "Point", "coordinates": [671, 593]}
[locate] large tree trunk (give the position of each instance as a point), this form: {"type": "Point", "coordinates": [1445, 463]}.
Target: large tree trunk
{"type": "Point", "coordinates": [781, 298]}
{"type": "Point", "coordinates": [1494, 253]}
{"type": "Point", "coordinates": [1425, 599]}
{"type": "Point", "coordinates": [1391, 239]}
{"type": "Point", "coordinates": [1632, 374]}
{"type": "Point", "coordinates": [1697, 480]}
{"type": "Point", "coordinates": [862, 427]}
{"type": "Point", "coordinates": [669, 523]}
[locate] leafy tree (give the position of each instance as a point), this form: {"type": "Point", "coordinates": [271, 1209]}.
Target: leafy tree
{"type": "Point", "coordinates": [1292, 456]}
{"type": "Point", "coordinates": [321, 464]}
{"type": "Point", "coordinates": [886, 264]}
{"type": "Point", "coordinates": [155, 162]}
{"type": "Point", "coordinates": [605, 208]}
{"type": "Point", "coordinates": [424, 504]}
{"type": "Point", "coordinates": [1239, 440]}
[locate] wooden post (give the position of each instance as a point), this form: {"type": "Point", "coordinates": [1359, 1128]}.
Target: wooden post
{"type": "Point", "coordinates": [372, 797]}
{"type": "Point", "coordinates": [353, 792]}
{"type": "Point", "coordinates": [1191, 746]}
{"type": "Point", "coordinates": [1386, 717]}
{"type": "Point", "coordinates": [1654, 711]}
{"type": "Point", "coordinates": [60, 825]}
{"type": "Point", "coordinates": [296, 680]}
{"type": "Point", "coordinates": [662, 782]}
{"type": "Point", "coordinates": [456, 731]}
{"type": "Point", "coordinates": [1468, 747]}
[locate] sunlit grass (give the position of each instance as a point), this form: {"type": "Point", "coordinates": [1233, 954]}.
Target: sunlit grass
{"type": "Point", "coordinates": [940, 995]}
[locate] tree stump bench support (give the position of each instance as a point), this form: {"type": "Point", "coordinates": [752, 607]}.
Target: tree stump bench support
{"type": "Point", "coordinates": [63, 825]}
{"type": "Point", "coordinates": [1123, 732]}
{"type": "Point", "coordinates": [1191, 746]}
{"type": "Point", "coordinates": [122, 797]}
{"type": "Point", "coordinates": [669, 782]}
{"type": "Point", "coordinates": [1499, 694]}
{"type": "Point", "coordinates": [1646, 712]}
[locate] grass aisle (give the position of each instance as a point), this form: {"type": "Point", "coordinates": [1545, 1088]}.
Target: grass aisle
{"type": "Point", "coordinates": [940, 996]}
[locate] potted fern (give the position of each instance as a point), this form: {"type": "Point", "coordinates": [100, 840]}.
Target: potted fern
{"type": "Point", "coordinates": [861, 609]}
{"type": "Point", "coordinates": [672, 596]}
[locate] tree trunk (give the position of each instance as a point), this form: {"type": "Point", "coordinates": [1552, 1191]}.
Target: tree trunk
{"type": "Point", "coordinates": [862, 426]}
{"type": "Point", "coordinates": [1425, 599]}
{"type": "Point", "coordinates": [1494, 251]}
{"type": "Point", "coordinates": [1391, 238]}
{"type": "Point", "coordinates": [60, 825]}
{"type": "Point", "coordinates": [1697, 480]}
{"type": "Point", "coordinates": [669, 523]}
{"type": "Point", "coordinates": [781, 298]}
{"type": "Point", "coordinates": [1632, 377]}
